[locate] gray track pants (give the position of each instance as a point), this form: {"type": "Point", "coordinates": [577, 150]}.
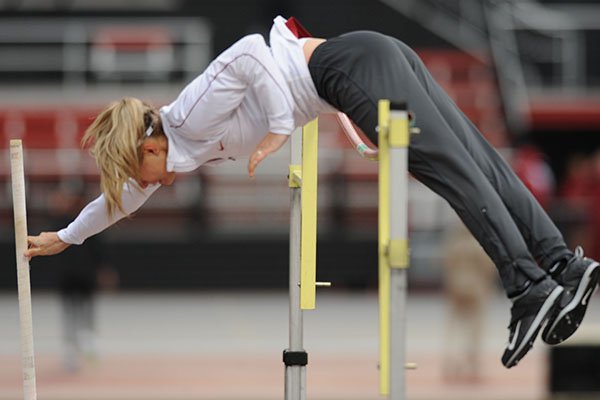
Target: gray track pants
{"type": "Point", "coordinates": [450, 156]}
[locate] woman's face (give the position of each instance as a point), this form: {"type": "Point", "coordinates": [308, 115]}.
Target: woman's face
{"type": "Point", "coordinates": [153, 169]}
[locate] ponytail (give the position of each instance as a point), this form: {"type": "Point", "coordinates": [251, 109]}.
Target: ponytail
{"type": "Point", "coordinates": [115, 138]}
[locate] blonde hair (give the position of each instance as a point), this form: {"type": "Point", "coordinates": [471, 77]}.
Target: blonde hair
{"type": "Point", "coordinates": [115, 138]}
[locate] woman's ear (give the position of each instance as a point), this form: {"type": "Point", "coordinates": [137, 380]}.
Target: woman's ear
{"type": "Point", "coordinates": [150, 146]}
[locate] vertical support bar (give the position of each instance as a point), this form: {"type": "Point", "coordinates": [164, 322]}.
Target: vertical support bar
{"type": "Point", "coordinates": [308, 251]}
{"type": "Point", "coordinates": [295, 375]}
{"type": "Point", "coordinates": [398, 246]}
{"type": "Point", "coordinates": [384, 235]}
{"type": "Point", "coordinates": [393, 246]}
{"type": "Point", "coordinates": [23, 281]}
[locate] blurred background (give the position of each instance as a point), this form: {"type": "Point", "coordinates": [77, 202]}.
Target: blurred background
{"type": "Point", "coordinates": [188, 299]}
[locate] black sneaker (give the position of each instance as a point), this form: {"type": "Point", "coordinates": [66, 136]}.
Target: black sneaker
{"type": "Point", "coordinates": [579, 276]}
{"type": "Point", "coordinates": [529, 312]}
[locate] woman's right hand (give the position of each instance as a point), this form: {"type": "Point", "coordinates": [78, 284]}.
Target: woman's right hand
{"type": "Point", "coordinates": [269, 144]}
{"type": "Point", "coordinates": [45, 244]}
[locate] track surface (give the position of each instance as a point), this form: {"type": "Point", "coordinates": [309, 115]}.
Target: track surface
{"type": "Point", "coordinates": [226, 346]}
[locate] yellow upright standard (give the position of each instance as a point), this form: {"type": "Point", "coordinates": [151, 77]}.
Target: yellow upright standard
{"type": "Point", "coordinates": [393, 246]}
{"type": "Point", "coordinates": [384, 237]}
{"type": "Point", "coordinates": [308, 249]}
{"type": "Point", "coordinates": [303, 251]}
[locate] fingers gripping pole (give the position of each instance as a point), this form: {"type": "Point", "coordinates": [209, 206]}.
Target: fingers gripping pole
{"type": "Point", "coordinates": [24, 287]}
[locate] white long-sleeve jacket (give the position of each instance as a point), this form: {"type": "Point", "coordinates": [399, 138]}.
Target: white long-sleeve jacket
{"type": "Point", "coordinates": [247, 91]}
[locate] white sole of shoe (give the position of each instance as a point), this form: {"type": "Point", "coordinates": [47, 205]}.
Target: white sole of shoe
{"type": "Point", "coordinates": [541, 316]}
{"type": "Point", "coordinates": [582, 295]}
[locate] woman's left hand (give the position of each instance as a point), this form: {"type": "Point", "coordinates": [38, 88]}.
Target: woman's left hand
{"type": "Point", "coordinates": [270, 144]}
{"type": "Point", "coordinates": [44, 244]}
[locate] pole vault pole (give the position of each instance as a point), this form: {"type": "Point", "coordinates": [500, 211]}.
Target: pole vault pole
{"type": "Point", "coordinates": [24, 287]}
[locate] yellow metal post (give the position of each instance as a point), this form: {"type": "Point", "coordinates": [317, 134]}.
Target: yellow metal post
{"type": "Point", "coordinates": [308, 249]}
{"type": "Point", "coordinates": [398, 137]}
{"type": "Point", "coordinates": [384, 237]}
{"type": "Point", "coordinates": [393, 246]}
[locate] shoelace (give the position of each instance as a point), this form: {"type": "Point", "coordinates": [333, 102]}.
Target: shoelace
{"type": "Point", "coordinates": [578, 254]}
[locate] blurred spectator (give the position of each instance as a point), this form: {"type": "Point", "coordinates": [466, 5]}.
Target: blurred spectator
{"type": "Point", "coordinates": [531, 167]}
{"type": "Point", "coordinates": [594, 249]}
{"type": "Point", "coordinates": [80, 267]}
{"type": "Point", "coordinates": [578, 179]}
{"type": "Point", "coordinates": [469, 277]}
{"type": "Point", "coordinates": [576, 205]}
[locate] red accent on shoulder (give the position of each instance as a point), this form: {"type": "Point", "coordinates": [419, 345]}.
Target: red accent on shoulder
{"type": "Point", "coordinates": [297, 29]}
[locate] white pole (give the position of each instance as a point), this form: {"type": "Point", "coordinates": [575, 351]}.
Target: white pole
{"type": "Point", "coordinates": [24, 287]}
{"type": "Point", "coordinates": [295, 375]}
{"type": "Point", "coordinates": [398, 190]}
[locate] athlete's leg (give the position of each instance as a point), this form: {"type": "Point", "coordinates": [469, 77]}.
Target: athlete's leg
{"type": "Point", "coordinates": [374, 68]}
{"type": "Point", "coordinates": [543, 238]}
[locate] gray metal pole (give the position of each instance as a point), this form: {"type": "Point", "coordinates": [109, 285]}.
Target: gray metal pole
{"type": "Point", "coordinates": [295, 375]}
{"type": "Point", "coordinates": [398, 277]}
